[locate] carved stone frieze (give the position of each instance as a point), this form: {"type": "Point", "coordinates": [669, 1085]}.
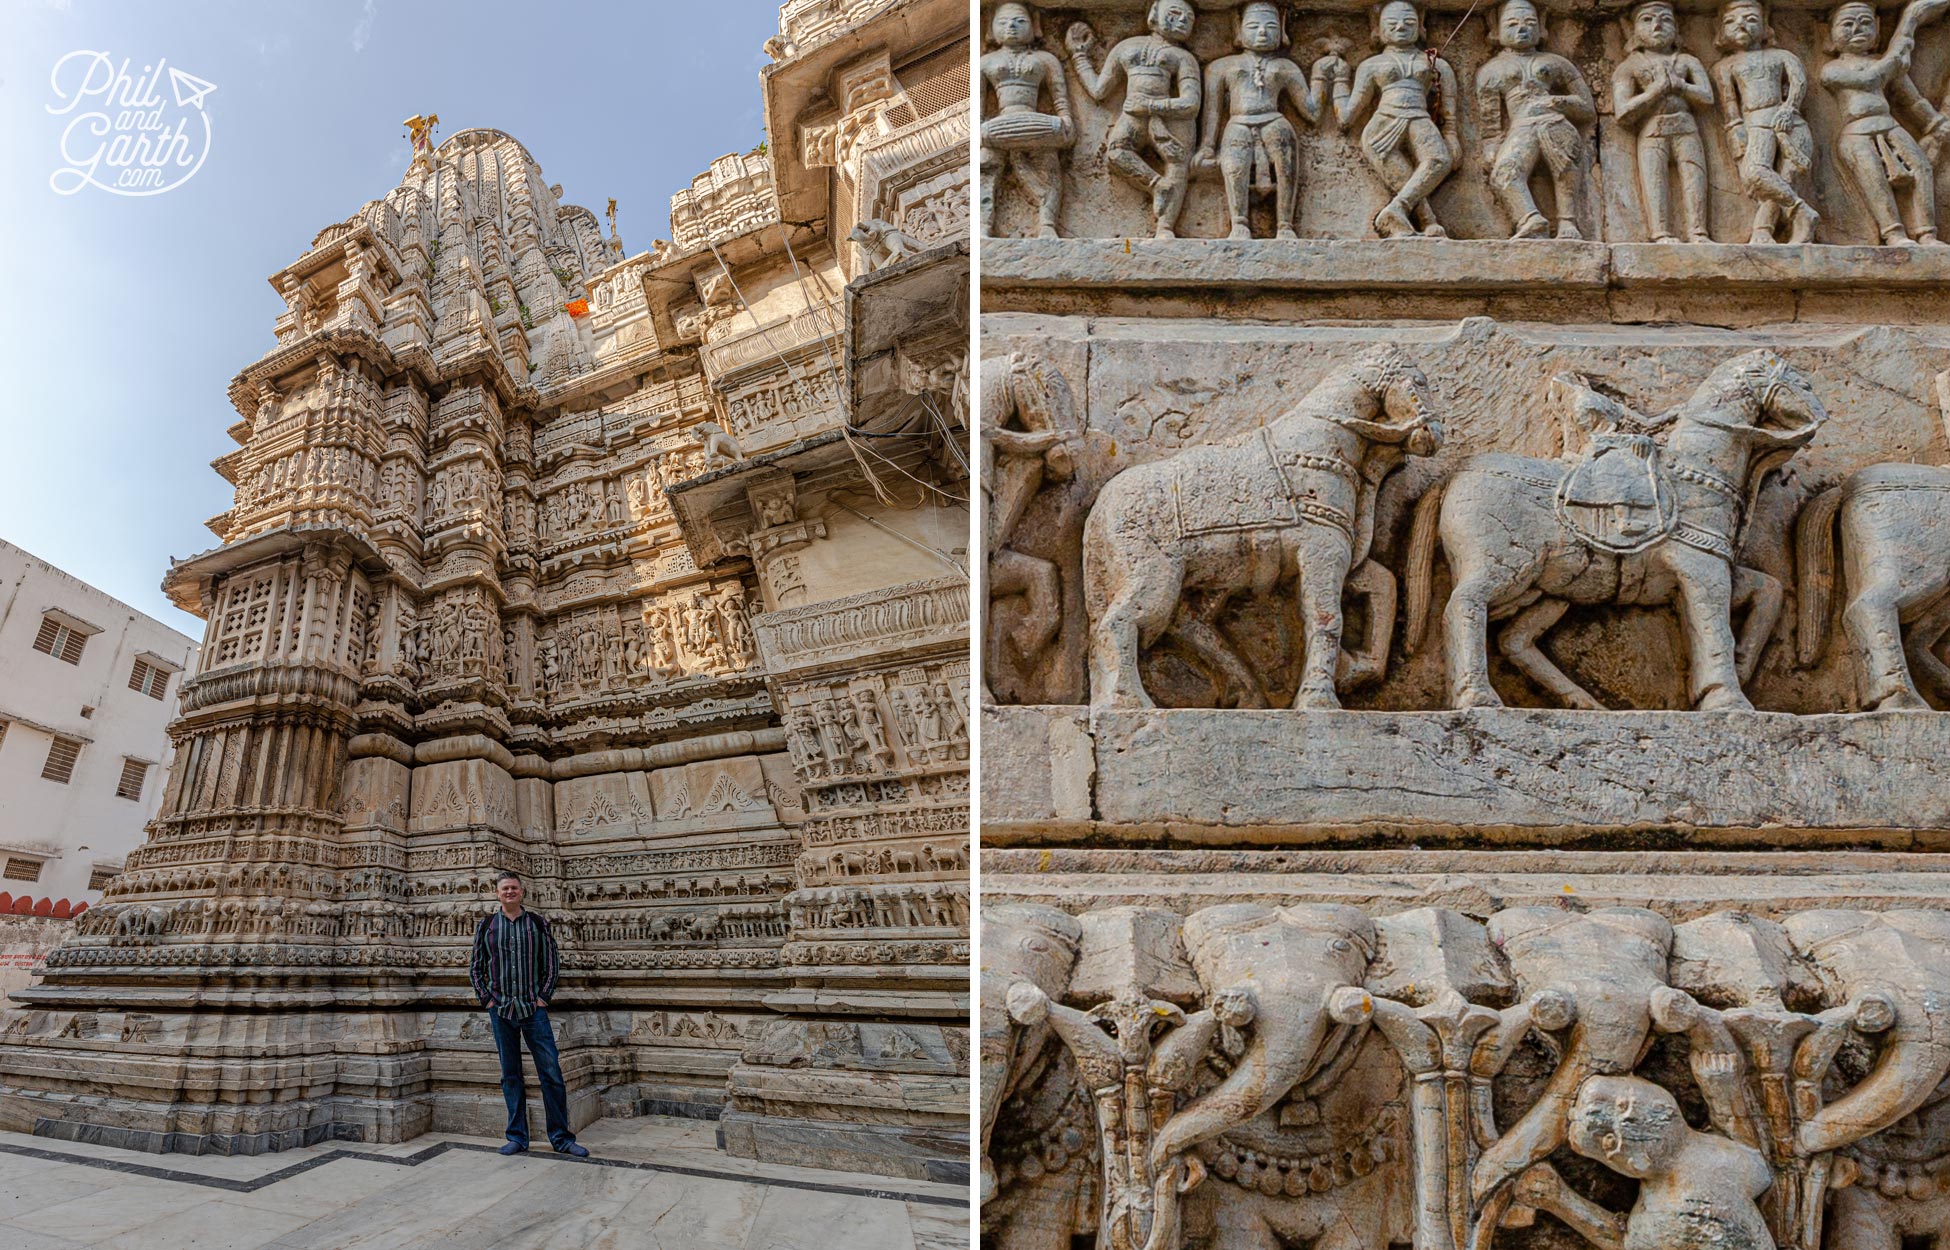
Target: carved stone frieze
{"type": "Point", "coordinates": [1465, 596]}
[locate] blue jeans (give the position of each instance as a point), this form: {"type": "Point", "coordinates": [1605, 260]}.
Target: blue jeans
{"type": "Point", "coordinates": [508, 1035]}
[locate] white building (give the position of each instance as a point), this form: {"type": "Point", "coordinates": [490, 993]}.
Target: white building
{"type": "Point", "coordinates": [87, 684]}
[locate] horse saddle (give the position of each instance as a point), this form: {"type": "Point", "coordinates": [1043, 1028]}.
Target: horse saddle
{"type": "Point", "coordinates": [1252, 495]}
{"type": "Point", "coordinates": [1614, 498]}
{"type": "Point", "coordinates": [1261, 489]}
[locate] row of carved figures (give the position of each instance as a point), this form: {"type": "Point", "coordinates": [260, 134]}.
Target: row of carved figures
{"type": "Point", "coordinates": [1252, 1076]}
{"type": "Point", "coordinates": [704, 632]}
{"type": "Point", "coordinates": [1533, 108]}
{"type": "Point", "coordinates": [838, 733]}
{"type": "Point", "coordinates": [276, 918]}
{"type": "Point", "coordinates": [888, 906]}
{"type": "Point", "coordinates": [1646, 511]}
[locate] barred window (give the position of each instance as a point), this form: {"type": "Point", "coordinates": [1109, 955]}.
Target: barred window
{"type": "Point", "coordinates": [61, 755]}
{"type": "Point", "coordinates": [134, 772]}
{"type": "Point", "coordinates": [150, 679]}
{"type": "Point", "coordinates": [60, 641]}
{"type": "Point", "coordinates": [936, 82]}
{"type": "Point", "coordinates": [100, 877]}
{"type": "Point", "coordinates": [18, 869]}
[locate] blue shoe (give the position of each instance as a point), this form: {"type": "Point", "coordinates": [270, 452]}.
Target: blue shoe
{"type": "Point", "coordinates": [575, 1150]}
{"type": "Point", "coordinates": [514, 1148]}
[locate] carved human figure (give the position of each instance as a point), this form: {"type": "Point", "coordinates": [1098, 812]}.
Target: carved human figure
{"type": "Point", "coordinates": [1878, 157]}
{"type": "Point", "coordinates": [1019, 139]}
{"type": "Point", "coordinates": [589, 656]}
{"type": "Point", "coordinates": [872, 726]}
{"type": "Point", "coordinates": [1258, 146]}
{"type": "Point", "coordinates": [1654, 91]}
{"type": "Point", "coordinates": [904, 722]}
{"type": "Point", "coordinates": [737, 631]}
{"type": "Point", "coordinates": [1532, 106]}
{"type": "Point", "coordinates": [1028, 425]}
{"type": "Point", "coordinates": [1161, 99]}
{"type": "Point", "coordinates": [833, 743]}
{"type": "Point", "coordinates": [954, 728]}
{"type": "Point", "coordinates": [697, 629]}
{"type": "Point", "coordinates": [931, 719]}
{"type": "Point", "coordinates": [1761, 88]}
{"type": "Point", "coordinates": [662, 657]}
{"type": "Point", "coordinates": [1409, 143]}
{"type": "Point", "coordinates": [855, 736]}
{"type": "Point", "coordinates": [1697, 1190]}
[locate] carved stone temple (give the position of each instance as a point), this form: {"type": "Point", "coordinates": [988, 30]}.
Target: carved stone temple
{"type": "Point", "coordinates": [1467, 545]}
{"type": "Point", "coordinates": [641, 574]}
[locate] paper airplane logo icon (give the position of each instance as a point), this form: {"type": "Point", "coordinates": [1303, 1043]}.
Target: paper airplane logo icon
{"type": "Point", "coordinates": [190, 89]}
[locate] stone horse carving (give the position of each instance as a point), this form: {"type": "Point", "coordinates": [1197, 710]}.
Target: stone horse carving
{"type": "Point", "coordinates": [1527, 538]}
{"type": "Point", "coordinates": [1295, 497]}
{"type": "Point", "coordinates": [1895, 528]}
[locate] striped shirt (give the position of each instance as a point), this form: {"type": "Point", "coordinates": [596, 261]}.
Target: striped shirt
{"type": "Point", "coordinates": [514, 963]}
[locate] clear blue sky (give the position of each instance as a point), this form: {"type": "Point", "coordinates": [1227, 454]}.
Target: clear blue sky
{"type": "Point", "coordinates": [124, 319]}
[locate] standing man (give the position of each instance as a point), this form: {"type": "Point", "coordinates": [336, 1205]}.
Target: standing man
{"type": "Point", "coordinates": [514, 969]}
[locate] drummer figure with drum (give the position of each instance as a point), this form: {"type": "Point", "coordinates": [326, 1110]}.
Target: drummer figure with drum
{"type": "Point", "coordinates": [1020, 138]}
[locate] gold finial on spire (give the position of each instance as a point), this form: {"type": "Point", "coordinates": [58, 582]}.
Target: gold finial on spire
{"type": "Point", "coordinates": [420, 131]}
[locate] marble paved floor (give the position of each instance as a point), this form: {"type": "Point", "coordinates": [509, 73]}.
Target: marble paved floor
{"type": "Point", "coordinates": [652, 1184]}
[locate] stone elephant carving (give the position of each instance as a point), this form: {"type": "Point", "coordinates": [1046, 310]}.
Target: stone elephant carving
{"type": "Point", "coordinates": [1303, 1099]}
{"type": "Point", "coordinates": [141, 923]}
{"type": "Point", "coordinates": [1603, 969]}
{"type": "Point", "coordinates": [1895, 537]}
{"type": "Point", "coordinates": [1295, 498]}
{"type": "Point", "coordinates": [1903, 956]}
{"type": "Point", "coordinates": [1028, 952]}
{"type": "Point", "coordinates": [1290, 961]}
{"type": "Point", "coordinates": [1632, 523]}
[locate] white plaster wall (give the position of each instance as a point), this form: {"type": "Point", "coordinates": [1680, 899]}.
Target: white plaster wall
{"type": "Point", "coordinates": [83, 823]}
{"type": "Point", "coordinates": [858, 556]}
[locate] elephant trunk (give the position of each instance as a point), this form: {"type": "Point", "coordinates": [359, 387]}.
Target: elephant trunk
{"type": "Point", "coordinates": [1909, 1069]}
{"type": "Point", "coordinates": [1592, 1049]}
{"type": "Point", "coordinates": [998, 1043]}
{"type": "Point", "coordinates": [1281, 1052]}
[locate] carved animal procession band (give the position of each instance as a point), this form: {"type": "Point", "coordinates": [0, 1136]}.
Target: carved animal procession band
{"type": "Point", "coordinates": [1636, 512]}
{"type": "Point", "coordinates": [1505, 121]}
